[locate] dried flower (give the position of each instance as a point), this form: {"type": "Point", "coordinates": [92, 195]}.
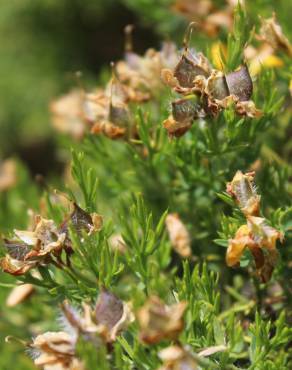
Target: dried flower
{"type": "Point", "coordinates": [260, 239]}
{"type": "Point", "coordinates": [141, 74]}
{"type": "Point", "coordinates": [243, 189]}
{"type": "Point", "coordinates": [8, 177]}
{"type": "Point", "coordinates": [271, 32]}
{"type": "Point", "coordinates": [56, 350]}
{"type": "Point", "coordinates": [177, 358]}
{"type": "Point", "coordinates": [19, 294]}
{"type": "Point", "coordinates": [81, 221]}
{"type": "Point", "coordinates": [159, 321]}
{"type": "Point", "coordinates": [110, 317]}
{"type": "Point", "coordinates": [113, 314]}
{"type": "Point", "coordinates": [32, 247]}
{"type": "Point", "coordinates": [68, 113]}
{"type": "Point", "coordinates": [179, 235]}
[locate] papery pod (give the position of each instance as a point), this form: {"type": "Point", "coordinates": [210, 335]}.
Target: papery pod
{"type": "Point", "coordinates": [189, 67]}
{"type": "Point", "coordinates": [108, 309]}
{"type": "Point", "coordinates": [176, 128]}
{"type": "Point", "coordinates": [80, 219]}
{"type": "Point", "coordinates": [177, 358]}
{"type": "Point", "coordinates": [179, 235]}
{"type": "Point", "coordinates": [217, 86]}
{"type": "Point", "coordinates": [243, 189]}
{"type": "Point", "coordinates": [16, 249]}
{"type": "Point", "coordinates": [240, 83]}
{"type": "Point", "coordinates": [272, 33]}
{"type": "Point", "coordinates": [113, 314]}
{"type": "Point", "coordinates": [185, 110]}
{"type": "Point", "coordinates": [19, 294]}
{"type": "Point", "coordinates": [159, 321]}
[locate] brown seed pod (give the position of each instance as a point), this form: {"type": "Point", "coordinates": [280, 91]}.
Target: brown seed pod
{"type": "Point", "coordinates": [184, 110]}
{"type": "Point", "coordinates": [109, 309]}
{"type": "Point", "coordinates": [189, 67]}
{"type": "Point", "coordinates": [217, 86]}
{"type": "Point", "coordinates": [240, 83]}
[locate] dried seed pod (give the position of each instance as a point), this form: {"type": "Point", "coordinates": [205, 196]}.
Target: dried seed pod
{"type": "Point", "coordinates": [108, 309]}
{"type": "Point", "coordinates": [159, 321]}
{"type": "Point", "coordinates": [16, 249]}
{"type": "Point", "coordinates": [113, 314]}
{"type": "Point", "coordinates": [261, 240]}
{"type": "Point", "coordinates": [271, 32]}
{"type": "Point", "coordinates": [56, 350]}
{"type": "Point", "coordinates": [177, 358]}
{"type": "Point", "coordinates": [185, 110]}
{"type": "Point", "coordinates": [19, 294]}
{"type": "Point", "coordinates": [179, 235]}
{"type": "Point", "coordinates": [248, 108]}
{"type": "Point", "coordinates": [81, 221]}
{"type": "Point", "coordinates": [175, 128]}
{"type": "Point", "coordinates": [243, 189]}
{"type": "Point", "coordinates": [217, 86]}
{"type": "Point", "coordinates": [240, 83]}
{"type": "Point", "coordinates": [189, 67]}
{"type": "Point", "coordinates": [16, 267]}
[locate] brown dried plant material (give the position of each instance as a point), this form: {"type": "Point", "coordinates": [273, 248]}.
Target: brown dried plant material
{"type": "Point", "coordinates": [19, 294]}
{"type": "Point", "coordinates": [272, 33]}
{"type": "Point", "coordinates": [116, 242]}
{"type": "Point", "coordinates": [248, 108]}
{"type": "Point", "coordinates": [240, 84]}
{"type": "Point", "coordinates": [8, 177]}
{"type": "Point", "coordinates": [184, 112]}
{"type": "Point", "coordinates": [159, 321]}
{"type": "Point", "coordinates": [45, 239]}
{"type": "Point", "coordinates": [32, 247]}
{"type": "Point", "coordinates": [141, 74]}
{"type": "Point", "coordinates": [117, 120]}
{"type": "Point", "coordinates": [190, 65]}
{"type": "Point", "coordinates": [243, 189]}
{"type": "Point", "coordinates": [109, 318]}
{"type": "Point", "coordinates": [56, 350]}
{"type": "Point", "coordinates": [178, 235]}
{"type": "Point", "coordinates": [68, 114]}
{"type": "Point", "coordinates": [113, 314]}
{"type": "Point", "coordinates": [16, 266]}
{"type": "Point", "coordinates": [261, 240]}
{"type": "Point", "coordinates": [177, 358]}
{"type": "Point", "coordinates": [175, 128]}
{"type": "Point", "coordinates": [81, 221]}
